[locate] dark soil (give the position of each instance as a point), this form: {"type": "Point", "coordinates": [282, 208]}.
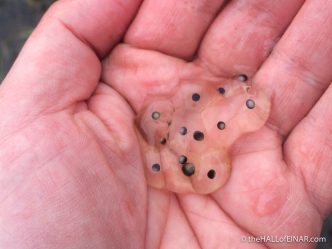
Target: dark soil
{"type": "Point", "coordinates": [17, 19]}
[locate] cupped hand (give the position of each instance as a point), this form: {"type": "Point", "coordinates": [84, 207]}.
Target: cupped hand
{"type": "Point", "coordinates": [71, 173]}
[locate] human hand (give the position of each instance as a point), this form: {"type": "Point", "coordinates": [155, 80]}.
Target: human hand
{"type": "Point", "coordinates": [81, 185]}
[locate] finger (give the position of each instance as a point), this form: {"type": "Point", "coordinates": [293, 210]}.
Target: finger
{"type": "Point", "coordinates": [308, 150]}
{"type": "Point", "coordinates": [178, 232]}
{"type": "Point", "coordinates": [172, 27]}
{"type": "Point", "coordinates": [158, 208]}
{"type": "Point", "coordinates": [263, 197]}
{"type": "Point", "coordinates": [59, 64]}
{"type": "Point", "coordinates": [298, 71]}
{"type": "Point", "coordinates": [244, 34]}
{"type": "Point", "coordinates": [213, 228]}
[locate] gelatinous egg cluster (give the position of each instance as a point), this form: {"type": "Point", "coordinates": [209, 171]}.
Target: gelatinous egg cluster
{"type": "Point", "coordinates": [186, 137]}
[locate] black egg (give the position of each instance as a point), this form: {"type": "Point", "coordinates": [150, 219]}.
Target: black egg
{"type": "Point", "coordinates": [221, 125]}
{"type": "Point", "coordinates": [182, 159]}
{"type": "Point", "coordinates": [250, 104]}
{"type": "Point", "coordinates": [211, 174]}
{"type": "Point", "coordinates": [156, 167]}
{"type": "Point", "coordinates": [195, 97]}
{"type": "Point", "coordinates": [183, 130]}
{"type": "Point", "coordinates": [188, 169]}
{"type": "Point", "coordinates": [243, 77]}
{"type": "Point", "coordinates": [155, 115]}
{"type": "Point", "coordinates": [198, 135]}
{"type": "Point", "coordinates": [221, 90]}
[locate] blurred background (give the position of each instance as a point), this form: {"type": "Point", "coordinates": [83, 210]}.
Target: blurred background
{"type": "Point", "coordinates": [17, 20]}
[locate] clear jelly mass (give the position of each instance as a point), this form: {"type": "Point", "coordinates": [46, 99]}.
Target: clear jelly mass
{"type": "Point", "coordinates": [189, 134]}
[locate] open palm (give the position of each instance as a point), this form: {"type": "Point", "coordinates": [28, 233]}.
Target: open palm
{"type": "Point", "coordinates": [71, 173]}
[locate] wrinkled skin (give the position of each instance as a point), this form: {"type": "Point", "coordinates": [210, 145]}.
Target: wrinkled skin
{"type": "Point", "coordinates": [71, 174]}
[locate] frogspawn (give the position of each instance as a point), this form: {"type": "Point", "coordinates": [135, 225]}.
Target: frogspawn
{"type": "Point", "coordinates": [186, 137]}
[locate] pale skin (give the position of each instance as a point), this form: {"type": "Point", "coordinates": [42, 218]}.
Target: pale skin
{"type": "Point", "coordinates": [71, 174]}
